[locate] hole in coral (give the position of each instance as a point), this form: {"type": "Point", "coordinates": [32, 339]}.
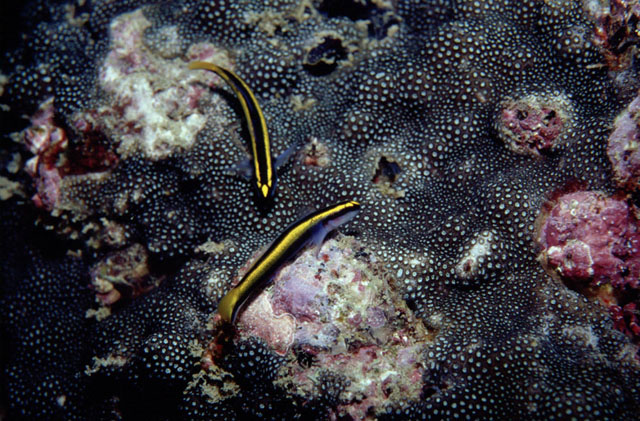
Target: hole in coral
{"type": "Point", "coordinates": [304, 358]}
{"type": "Point", "coordinates": [521, 114]}
{"type": "Point", "coordinates": [324, 57]}
{"type": "Point", "coordinates": [387, 171]}
{"type": "Point", "coordinates": [411, 304]}
{"type": "Point", "coordinates": [624, 271]}
{"type": "Point", "coordinates": [550, 116]}
{"type": "Point", "coordinates": [429, 391]}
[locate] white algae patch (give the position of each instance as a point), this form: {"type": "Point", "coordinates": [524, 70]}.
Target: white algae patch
{"type": "Point", "coordinates": [151, 109]}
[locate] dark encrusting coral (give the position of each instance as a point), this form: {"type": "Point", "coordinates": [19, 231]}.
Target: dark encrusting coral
{"type": "Point", "coordinates": [453, 122]}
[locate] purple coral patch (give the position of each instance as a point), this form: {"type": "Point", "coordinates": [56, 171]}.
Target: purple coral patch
{"type": "Point", "coordinates": [590, 238]}
{"type": "Point", "coordinates": [622, 147]}
{"type": "Point", "coordinates": [301, 296]}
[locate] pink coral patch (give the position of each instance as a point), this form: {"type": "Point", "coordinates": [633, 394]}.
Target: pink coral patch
{"type": "Point", "coordinates": [47, 141]}
{"type": "Point", "coordinates": [259, 320]}
{"type": "Point", "coordinates": [623, 147]}
{"type": "Point", "coordinates": [301, 296]}
{"type": "Point", "coordinates": [588, 237]}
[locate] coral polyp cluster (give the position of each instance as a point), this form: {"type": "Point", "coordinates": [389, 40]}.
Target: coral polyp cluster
{"type": "Point", "coordinates": [491, 273]}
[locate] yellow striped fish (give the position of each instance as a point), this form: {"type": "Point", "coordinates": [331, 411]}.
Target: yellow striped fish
{"type": "Point", "coordinates": [311, 229]}
{"type": "Point", "coordinates": [264, 172]}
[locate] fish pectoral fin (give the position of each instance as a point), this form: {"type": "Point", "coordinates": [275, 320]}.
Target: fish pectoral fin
{"type": "Point", "coordinates": [242, 168]}
{"type": "Point", "coordinates": [284, 157]}
{"type": "Point", "coordinates": [318, 238]}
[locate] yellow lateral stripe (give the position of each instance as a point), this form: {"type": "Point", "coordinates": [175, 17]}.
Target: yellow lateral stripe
{"type": "Point", "coordinates": [276, 253]}
{"type": "Point", "coordinates": [252, 132]}
{"type": "Point", "coordinates": [284, 245]}
{"type": "Point", "coordinates": [242, 91]}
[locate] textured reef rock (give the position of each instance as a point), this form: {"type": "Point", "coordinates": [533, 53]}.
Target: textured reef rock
{"type": "Point", "coordinates": [588, 237]}
{"type": "Point", "coordinates": [492, 272]}
{"type": "Point", "coordinates": [623, 147]}
{"type": "Point", "coordinates": [339, 317]}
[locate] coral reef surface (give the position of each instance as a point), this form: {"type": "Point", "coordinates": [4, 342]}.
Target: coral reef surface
{"type": "Point", "coordinates": [492, 272]}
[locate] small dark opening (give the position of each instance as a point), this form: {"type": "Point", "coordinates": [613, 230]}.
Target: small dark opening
{"type": "Point", "coordinates": [387, 171]}
{"type": "Point", "coordinates": [521, 115]}
{"type": "Point", "coordinates": [324, 57]}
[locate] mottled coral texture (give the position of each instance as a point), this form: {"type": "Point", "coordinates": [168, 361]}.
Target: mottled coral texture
{"type": "Point", "coordinates": [623, 147]}
{"type": "Point", "coordinates": [591, 238]}
{"type": "Point", "coordinates": [492, 272]}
